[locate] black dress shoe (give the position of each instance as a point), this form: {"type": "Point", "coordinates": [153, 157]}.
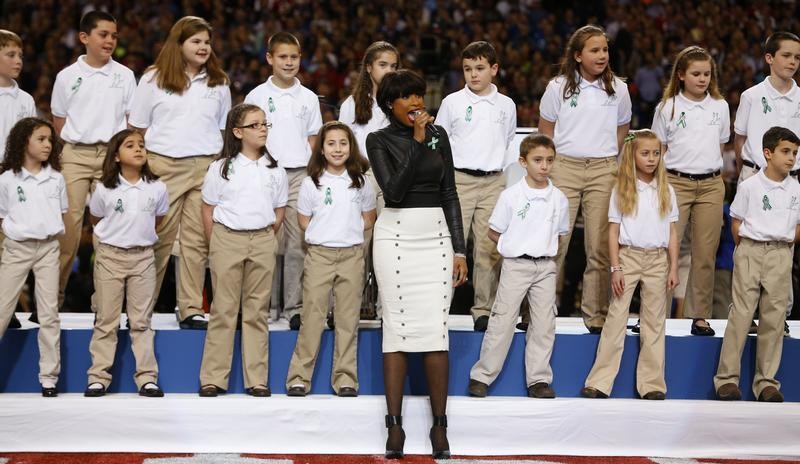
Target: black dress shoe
{"type": "Point", "coordinates": [481, 324]}
{"type": "Point", "coordinates": [541, 390]}
{"type": "Point", "coordinates": [34, 317]}
{"type": "Point", "coordinates": [294, 322]}
{"type": "Point", "coordinates": [589, 392]}
{"type": "Point", "coordinates": [771, 395]}
{"type": "Point", "coordinates": [94, 391]}
{"type": "Point", "coordinates": [477, 388]}
{"type": "Point", "coordinates": [595, 330]}
{"type": "Point", "coordinates": [753, 330]}
{"type": "Point", "coordinates": [703, 330]}
{"type": "Point", "coordinates": [655, 395]}
{"type": "Point", "coordinates": [347, 392]}
{"type": "Point", "coordinates": [49, 392]}
{"type": "Point", "coordinates": [153, 392]}
{"type": "Point", "coordinates": [210, 391]}
{"type": "Point", "coordinates": [637, 328]}
{"type": "Point", "coordinates": [14, 323]}
{"type": "Point", "coordinates": [260, 391]}
{"type": "Point", "coordinates": [442, 451]}
{"type": "Point", "coordinates": [396, 437]}
{"type": "Point", "coordinates": [194, 322]}
{"type": "Point", "coordinates": [786, 332]}
{"type": "Point", "coordinates": [296, 390]}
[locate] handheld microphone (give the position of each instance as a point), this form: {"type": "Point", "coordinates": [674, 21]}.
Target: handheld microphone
{"type": "Point", "coordinates": [429, 125]}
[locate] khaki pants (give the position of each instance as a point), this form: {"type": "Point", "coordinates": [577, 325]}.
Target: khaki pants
{"type": "Point", "coordinates": [520, 278]}
{"type": "Point", "coordinates": [291, 244]}
{"type": "Point", "coordinates": [478, 196]}
{"type": "Point", "coordinates": [241, 274]}
{"type": "Point", "coordinates": [18, 258]}
{"type": "Point", "coordinates": [587, 183]}
{"type": "Point", "coordinates": [325, 269]}
{"type": "Point", "coordinates": [119, 273]}
{"type": "Point", "coordinates": [649, 267]}
{"type": "Point", "coordinates": [700, 202]}
{"type": "Point", "coordinates": [184, 180]}
{"type": "Point", "coordinates": [765, 266]}
{"type": "Point", "coordinates": [81, 166]}
{"type": "Point", "coordinates": [722, 293]}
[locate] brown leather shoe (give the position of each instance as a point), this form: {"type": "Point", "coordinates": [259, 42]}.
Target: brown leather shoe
{"type": "Point", "coordinates": [541, 390]}
{"type": "Point", "coordinates": [478, 389]}
{"type": "Point", "coordinates": [589, 392]}
{"type": "Point", "coordinates": [259, 391]}
{"type": "Point", "coordinates": [208, 391]}
{"type": "Point", "coordinates": [655, 395]}
{"type": "Point", "coordinates": [771, 395]}
{"type": "Point", "coordinates": [729, 392]}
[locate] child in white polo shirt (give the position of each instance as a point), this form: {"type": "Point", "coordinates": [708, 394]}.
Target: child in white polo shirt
{"type": "Point", "coordinates": [244, 197]}
{"type": "Point", "coordinates": [642, 214]}
{"type": "Point", "coordinates": [294, 113]}
{"type": "Point", "coordinates": [527, 223]}
{"type": "Point", "coordinates": [15, 103]}
{"type": "Point", "coordinates": [125, 209]}
{"type": "Point", "coordinates": [33, 200]}
{"type": "Point", "coordinates": [335, 206]}
{"type": "Point", "coordinates": [90, 103]}
{"type": "Point", "coordinates": [480, 122]}
{"type": "Point", "coordinates": [693, 122]}
{"type": "Point", "coordinates": [182, 101]}
{"type": "Point", "coordinates": [765, 213]}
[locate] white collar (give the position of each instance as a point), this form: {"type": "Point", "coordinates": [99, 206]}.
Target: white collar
{"type": "Point", "coordinates": [474, 98]}
{"type": "Point", "coordinates": [292, 91]}
{"type": "Point", "coordinates": [89, 70]}
{"type": "Point", "coordinates": [12, 90]}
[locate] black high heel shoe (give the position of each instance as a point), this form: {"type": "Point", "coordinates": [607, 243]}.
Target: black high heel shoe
{"type": "Point", "coordinates": [444, 451]}
{"type": "Point", "coordinates": [393, 450]}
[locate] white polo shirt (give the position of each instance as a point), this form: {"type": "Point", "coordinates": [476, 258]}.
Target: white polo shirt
{"type": "Point", "coordinates": [762, 107]}
{"type": "Point", "coordinates": [347, 115]}
{"type": "Point", "coordinates": [480, 128]}
{"type": "Point", "coordinates": [586, 123]}
{"type": "Point", "coordinates": [646, 228]}
{"type": "Point", "coordinates": [31, 205]}
{"type": "Point", "coordinates": [768, 210]}
{"type": "Point", "coordinates": [693, 132]}
{"type": "Point", "coordinates": [530, 220]}
{"type": "Point", "coordinates": [129, 212]}
{"type": "Point", "coordinates": [15, 104]}
{"type": "Point", "coordinates": [181, 126]}
{"type": "Point", "coordinates": [247, 200]}
{"type": "Point", "coordinates": [335, 210]}
{"type": "Point", "coordinates": [294, 114]}
{"type": "Point", "coordinates": [94, 101]}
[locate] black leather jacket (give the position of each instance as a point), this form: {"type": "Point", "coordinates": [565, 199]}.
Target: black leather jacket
{"type": "Point", "coordinates": [417, 175]}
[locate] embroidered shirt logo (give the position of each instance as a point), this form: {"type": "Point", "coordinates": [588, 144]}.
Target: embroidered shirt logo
{"type": "Point", "coordinates": [212, 94]}
{"type": "Point", "coordinates": [150, 206]}
{"type": "Point", "coordinates": [524, 210]}
{"type": "Point", "coordinates": [797, 112]}
{"type": "Point", "coordinates": [116, 81]}
{"type": "Point", "coordinates": [794, 203]}
{"type": "Point", "coordinates": [715, 119]}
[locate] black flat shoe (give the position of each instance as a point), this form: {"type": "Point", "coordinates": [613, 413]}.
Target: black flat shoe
{"type": "Point", "coordinates": [294, 322]}
{"type": "Point", "coordinates": [704, 330]}
{"type": "Point", "coordinates": [49, 392]}
{"type": "Point", "coordinates": [14, 323]}
{"type": "Point", "coordinates": [443, 450]}
{"type": "Point", "coordinates": [347, 392]}
{"type": "Point", "coordinates": [195, 322]}
{"type": "Point", "coordinates": [93, 391]}
{"type": "Point", "coordinates": [296, 390]}
{"type": "Point", "coordinates": [655, 395]}
{"type": "Point", "coordinates": [394, 447]}
{"type": "Point", "coordinates": [595, 330]}
{"type": "Point", "coordinates": [151, 392]}
{"type": "Point", "coordinates": [481, 324]}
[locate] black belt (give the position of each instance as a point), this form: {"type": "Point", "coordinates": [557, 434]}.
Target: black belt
{"type": "Point", "coordinates": [694, 176]}
{"type": "Point", "coordinates": [478, 172]}
{"type": "Point", "coordinates": [753, 165]}
{"type": "Point", "coordinates": [534, 258]}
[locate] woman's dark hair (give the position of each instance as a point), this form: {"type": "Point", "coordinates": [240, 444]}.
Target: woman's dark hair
{"type": "Point", "coordinates": [17, 145]}
{"type": "Point", "coordinates": [356, 164]}
{"type": "Point", "coordinates": [111, 167]}
{"type": "Point", "coordinates": [232, 145]}
{"type": "Point", "coordinates": [398, 84]}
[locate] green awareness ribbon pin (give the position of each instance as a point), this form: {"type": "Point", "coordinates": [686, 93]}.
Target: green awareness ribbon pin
{"type": "Point", "coordinates": [432, 143]}
{"type": "Point", "coordinates": [230, 167]}
{"type": "Point", "coordinates": [765, 203]}
{"type": "Point", "coordinates": [468, 116]}
{"type": "Point", "coordinates": [766, 106]}
{"type": "Point", "coordinates": [573, 102]}
{"type": "Point", "coordinates": [119, 208]}
{"type": "Point", "coordinates": [271, 105]}
{"type": "Point", "coordinates": [20, 194]}
{"type": "Point", "coordinates": [682, 120]}
{"type": "Point", "coordinates": [524, 211]}
{"type": "Point", "coordinates": [328, 196]}
{"type": "Point", "coordinates": [77, 84]}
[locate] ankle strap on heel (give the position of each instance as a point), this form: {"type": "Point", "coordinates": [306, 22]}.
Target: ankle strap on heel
{"type": "Point", "coordinates": [393, 420]}
{"type": "Point", "coordinates": [440, 421]}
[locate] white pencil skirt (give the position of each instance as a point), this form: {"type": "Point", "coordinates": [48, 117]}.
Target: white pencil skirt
{"type": "Point", "coordinates": [413, 261]}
